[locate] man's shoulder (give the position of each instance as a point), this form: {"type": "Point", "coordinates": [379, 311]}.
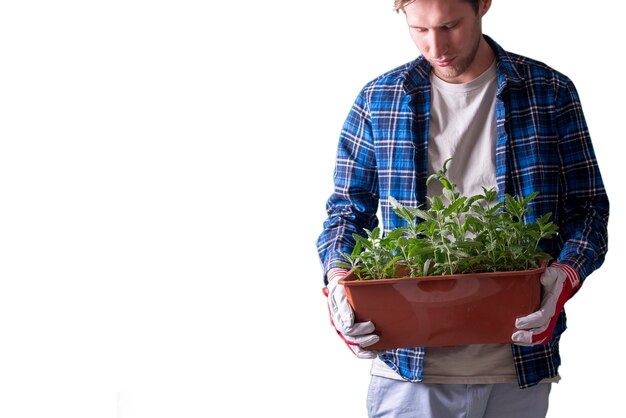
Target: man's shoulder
{"type": "Point", "coordinates": [397, 77]}
{"type": "Point", "coordinates": [531, 64]}
{"type": "Point", "coordinates": [518, 67]}
{"type": "Point", "coordinates": [531, 69]}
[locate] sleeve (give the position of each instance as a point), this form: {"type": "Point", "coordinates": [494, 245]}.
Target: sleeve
{"type": "Point", "coordinates": [352, 206]}
{"type": "Point", "coordinates": [585, 213]}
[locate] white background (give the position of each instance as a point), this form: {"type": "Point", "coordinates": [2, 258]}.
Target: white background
{"type": "Point", "coordinates": [163, 173]}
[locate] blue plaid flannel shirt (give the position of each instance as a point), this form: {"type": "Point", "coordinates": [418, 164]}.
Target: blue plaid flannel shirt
{"type": "Point", "coordinates": [543, 145]}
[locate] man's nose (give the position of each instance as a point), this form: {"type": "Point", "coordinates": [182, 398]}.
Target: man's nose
{"type": "Point", "coordinates": [438, 44]}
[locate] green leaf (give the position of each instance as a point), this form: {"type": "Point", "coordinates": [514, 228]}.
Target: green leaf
{"type": "Point", "coordinates": [392, 262]}
{"type": "Point", "coordinates": [420, 251]}
{"type": "Point", "coordinates": [428, 264]}
{"type": "Point", "coordinates": [357, 249]}
{"type": "Point", "coordinates": [446, 184]}
{"type": "Point", "coordinates": [454, 207]}
{"type": "Point", "coordinates": [437, 203]}
{"type": "Point", "coordinates": [422, 214]}
{"type": "Point", "coordinates": [394, 203]}
{"type": "Point", "coordinates": [365, 242]}
{"type": "Point", "coordinates": [395, 234]}
{"type": "Point", "coordinates": [344, 265]}
{"type": "Point", "coordinates": [489, 195]}
{"type": "Point", "coordinates": [528, 198]}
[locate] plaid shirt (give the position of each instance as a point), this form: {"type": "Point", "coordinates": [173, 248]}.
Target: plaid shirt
{"type": "Point", "coordinates": [543, 145]}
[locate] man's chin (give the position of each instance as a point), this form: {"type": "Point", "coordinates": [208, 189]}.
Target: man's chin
{"type": "Point", "coordinates": [447, 73]}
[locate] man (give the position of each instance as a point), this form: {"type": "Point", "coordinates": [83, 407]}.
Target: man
{"type": "Point", "coordinates": [508, 122]}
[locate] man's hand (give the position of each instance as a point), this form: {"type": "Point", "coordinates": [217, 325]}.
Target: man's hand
{"type": "Point", "coordinates": [355, 335]}
{"type": "Point", "coordinates": [558, 282]}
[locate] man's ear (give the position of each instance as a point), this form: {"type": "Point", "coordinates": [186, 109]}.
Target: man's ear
{"type": "Point", "coordinates": [483, 7]}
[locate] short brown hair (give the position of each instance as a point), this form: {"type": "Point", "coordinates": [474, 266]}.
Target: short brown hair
{"type": "Point", "coordinates": [399, 4]}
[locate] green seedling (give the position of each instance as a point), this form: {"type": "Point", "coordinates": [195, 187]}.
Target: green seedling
{"type": "Point", "coordinates": [454, 235]}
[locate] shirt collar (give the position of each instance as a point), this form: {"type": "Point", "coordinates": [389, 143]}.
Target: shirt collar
{"type": "Point", "coordinates": [418, 72]}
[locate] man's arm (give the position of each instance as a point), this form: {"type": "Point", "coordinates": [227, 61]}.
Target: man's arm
{"type": "Point", "coordinates": [584, 218]}
{"type": "Point", "coordinates": [352, 206]}
{"type": "Point", "coordinates": [583, 221]}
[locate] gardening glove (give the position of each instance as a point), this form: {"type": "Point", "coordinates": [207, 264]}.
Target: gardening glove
{"type": "Point", "coordinates": [355, 335]}
{"type": "Point", "coordinates": [559, 282]}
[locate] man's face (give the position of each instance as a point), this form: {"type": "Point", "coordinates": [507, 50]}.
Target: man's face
{"type": "Point", "coordinates": [448, 33]}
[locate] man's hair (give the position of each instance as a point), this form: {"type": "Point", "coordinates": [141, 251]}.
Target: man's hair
{"type": "Point", "coordinates": [399, 4]}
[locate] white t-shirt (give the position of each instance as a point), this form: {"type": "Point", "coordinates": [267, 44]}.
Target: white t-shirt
{"type": "Point", "coordinates": [463, 126]}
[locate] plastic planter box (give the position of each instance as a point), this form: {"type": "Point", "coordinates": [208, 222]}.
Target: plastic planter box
{"type": "Point", "coordinates": [435, 311]}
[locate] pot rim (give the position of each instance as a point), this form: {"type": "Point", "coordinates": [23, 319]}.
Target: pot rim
{"type": "Point", "coordinates": [350, 280]}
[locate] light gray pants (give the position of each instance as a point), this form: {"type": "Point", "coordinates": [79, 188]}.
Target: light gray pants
{"type": "Point", "coordinates": [394, 398]}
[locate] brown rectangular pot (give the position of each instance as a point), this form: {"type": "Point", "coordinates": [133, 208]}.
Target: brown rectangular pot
{"type": "Point", "coordinates": [437, 311]}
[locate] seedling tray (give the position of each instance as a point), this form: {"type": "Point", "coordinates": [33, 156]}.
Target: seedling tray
{"type": "Point", "coordinates": [436, 311]}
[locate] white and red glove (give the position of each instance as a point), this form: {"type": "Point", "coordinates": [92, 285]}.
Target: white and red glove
{"type": "Point", "coordinates": [558, 282]}
{"type": "Point", "coordinates": [355, 335]}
